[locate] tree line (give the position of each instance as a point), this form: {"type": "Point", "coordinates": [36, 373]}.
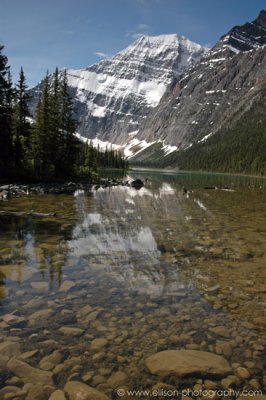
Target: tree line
{"type": "Point", "coordinates": [238, 147]}
{"type": "Point", "coordinates": [43, 146]}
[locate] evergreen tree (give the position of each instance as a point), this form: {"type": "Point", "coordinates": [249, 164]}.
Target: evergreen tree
{"type": "Point", "coordinates": [41, 133]}
{"type": "Point", "coordinates": [58, 153]}
{"type": "Point", "coordinates": [55, 127]}
{"type": "Point", "coordinates": [68, 126]}
{"type": "Point", "coordinates": [21, 125]}
{"type": "Point", "coordinates": [6, 94]}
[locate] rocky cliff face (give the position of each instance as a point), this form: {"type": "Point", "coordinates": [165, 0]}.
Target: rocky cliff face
{"type": "Point", "coordinates": [223, 83]}
{"type": "Point", "coordinates": [112, 98]}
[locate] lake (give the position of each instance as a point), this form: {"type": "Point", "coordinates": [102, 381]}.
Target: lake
{"type": "Point", "coordinates": [119, 275]}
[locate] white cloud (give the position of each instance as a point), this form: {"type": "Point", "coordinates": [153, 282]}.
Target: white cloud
{"type": "Point", "coordinates": [137, 35]}
{"type": "Point", "coordinates": [143, 27]}
{"type": "Point", "coordinates": [140, 30]}
{"type": "Point", "coordinates": [101, 55]}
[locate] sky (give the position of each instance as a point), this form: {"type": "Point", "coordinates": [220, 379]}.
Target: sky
{"type": "Point", "coordinates": [42, 34]}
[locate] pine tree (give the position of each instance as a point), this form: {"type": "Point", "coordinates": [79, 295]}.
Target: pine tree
{"type": "Point", "coordinates": [41, 134]}
{"type": "Point", "coordinates": [21, 125]}
{"type": "Point", "coordinates": [68, 126]}
{"type": "Point", "coordinates": [6, 94]}
{"type": "Point", "coordinates": [55, 127]}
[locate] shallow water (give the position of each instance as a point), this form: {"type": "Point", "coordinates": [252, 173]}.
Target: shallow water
{"type": "Point", "coordinates": [162, 268]}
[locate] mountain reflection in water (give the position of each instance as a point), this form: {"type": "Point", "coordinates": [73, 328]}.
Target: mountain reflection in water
{"type": "Point", "coordinates": [114, 235]}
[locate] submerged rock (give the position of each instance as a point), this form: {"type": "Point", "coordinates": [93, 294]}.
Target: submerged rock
{"type": "Point", "coordinates": [78, 390]}
{"type": "Point", "coordinates": [98, 344]}
{"type": "Point", "coordinates": [40, 287]}
{"type": "Point", "coordinates": [29, 374]}
{"type": "Point", "coordinates": [66, 286]}
{"type": "Point", "coordinates": [69, 331]}
{"type": "Point", "coordinates": [261, 321]}
{"type": "Point", "coordinates": [49, 362]}
{"type": "Point", "coordinates": [84, 311]}
{"type": "Point", "coordinates": [9, 392]}
{"type": "Point", "coordinates": [185, 362]}
{"type": "Point", "coordinates": [220, 331]}
{"type": "Point", "coordinates": [9, 349]}
{"type": "Point", "coordinates": [57, 395]}
{"type": "Point", "coordinates": [40, 317]}
{"type": "Point", "coordinates": [117, 379]}
{"type": "Point", "coordinates": [242, 373]}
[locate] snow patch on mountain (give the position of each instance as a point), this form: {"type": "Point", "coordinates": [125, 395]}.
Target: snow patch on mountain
{"type": "Point", "coordinates": [115, 95]}
{"type": "Point", "coordinates": [90, 82]}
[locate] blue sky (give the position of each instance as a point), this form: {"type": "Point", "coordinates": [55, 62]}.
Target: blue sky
{"type": "Point", "coordinates": [43, 34]}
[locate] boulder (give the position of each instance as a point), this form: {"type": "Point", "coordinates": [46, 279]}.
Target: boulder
{"type": "Point", "coordinates": [57, 395]}
{"type": "Point", "coordinates": [220, 331]}
{"type": "Point", "coordinates": [78, 390]}
{"type": "Point", "coordinates": [36, 392]}
{"type": "Point", "coordinates": [185, 362]}
{"type": "Point", "coordinates": [29, 374]}
{"type": "Point", "coordinates": [40, 287]}
{"type": "Point", "coordinates": [8, 391]}
{"type": "Point", "coordinates": [98, 344]}
{"type": "Point", "coordinates": [84, 311]}
{"type": "Point", "coordinates": [66, 286]}
{"type": "Point", "coordinates": [137, 183]}
{"type": "Point", "coordinates": [69, 331]}
{"type": "Point", "coordinates": [40, 317]}
{"type": "Point", "coordinates": [9, 349]}
{"type": "Point", "coordinates": [117, 379]}
{"type": "Point", "coordinates": [49, 362]}
{"type": "Point", "coordinates": [261, 321]}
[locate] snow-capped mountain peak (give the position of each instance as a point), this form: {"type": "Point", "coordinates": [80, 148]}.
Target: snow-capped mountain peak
{"type": "Point", "coordinates": [114, 96]}
{"type": "Point", "coordinates": [246, 37]}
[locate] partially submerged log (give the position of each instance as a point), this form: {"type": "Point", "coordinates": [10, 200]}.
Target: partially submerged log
{"type": "Point", "coordinates": [25, 214]}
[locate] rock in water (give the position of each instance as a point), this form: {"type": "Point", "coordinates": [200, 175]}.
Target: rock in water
{"type": "Point", "coordinates": [57, 395]}
{"type": "Point", "coordinates": [185, 362]}
{"type": "Point", "coordinates": [137, 184]}
{"type": "Point", "coordinates": [77, 391]}
{"type": "Point", "coordinates": [98, 343]}
{"type": "Point", "coordinates": [29, 374]}
{"type": "Point", "coordinates": [69, 331]}
{"type": "Point", "coordinates": [9, 349]}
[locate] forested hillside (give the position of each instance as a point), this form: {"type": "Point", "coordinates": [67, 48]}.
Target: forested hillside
{"type": "Point", "coordinates": [43, 146]}
{"type": "Point", "coordinates": [239, 148]}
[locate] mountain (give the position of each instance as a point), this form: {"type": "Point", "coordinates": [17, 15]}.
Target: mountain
{"type": "Point", "coordinates": [239, 146]}
{"type": "Point", "coordinates": [165, 100]}
{"type": "Point", "coordinates": [209, 98]}
{"type": "Point", "coordinates": [113, 97]}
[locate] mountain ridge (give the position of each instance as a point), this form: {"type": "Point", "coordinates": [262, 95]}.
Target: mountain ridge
{"type": "Point", "coordinates": [113, 97]}
{"type": "Point", "coordinates": [168, 93]}
{"type": "Point", "coordinates": [197, 105]}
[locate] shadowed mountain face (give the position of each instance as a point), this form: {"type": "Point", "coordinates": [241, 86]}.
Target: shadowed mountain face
{"type": "Point", "coordinates": [113, 97]}
{"type": "Point", "coordinates": [221, 86]}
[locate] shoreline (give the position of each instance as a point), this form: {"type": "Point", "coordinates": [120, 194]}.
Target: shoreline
{"type": "Point", "coordinates": [16, 189]}
{"type": "Point", "coordinates": [181, 172]}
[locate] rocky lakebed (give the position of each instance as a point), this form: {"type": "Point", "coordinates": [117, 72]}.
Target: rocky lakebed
{"type": "Point", "coordinates": [134, 294]}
